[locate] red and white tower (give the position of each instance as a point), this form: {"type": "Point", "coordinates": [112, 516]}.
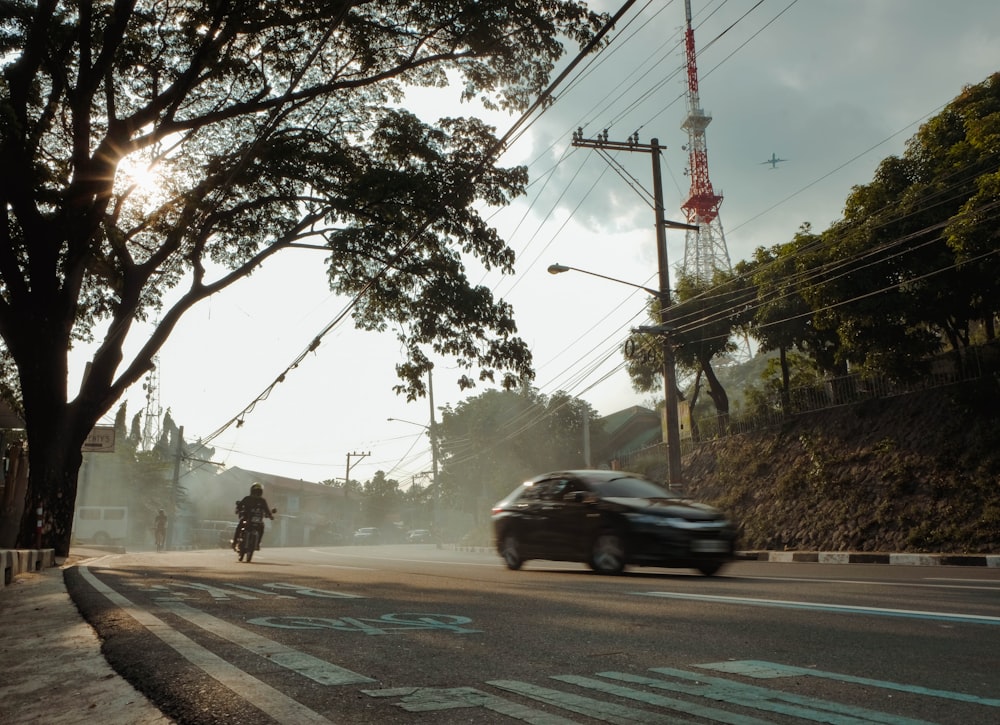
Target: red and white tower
{"type": "Point", "coordinates": [705, 249]}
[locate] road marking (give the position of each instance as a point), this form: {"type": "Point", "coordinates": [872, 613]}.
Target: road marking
{"type": "Point", "coordinates": [688, 708]}
{"type": "Point", "coordinates": [761, 698]}
{"type": "Point", "coordinates": [769, 670]}
{"type": "Point", "coordinates": [985, 583]}
{"type": "Point", "coordinates": [259, 694]}
{"type": "Point", "coordinates": [245, 588]}
{"type": "Point", "coordinates": [842, 608]}
{"type": "Point", "coordinates": [431, 699]}
{"type": "Point", "coordinates": [696, 687]}
{"type": "Point", "coordinates": [306, 665]}
{"type": "Point", "coordinates": [385, 624]}
{"type": "Point", "coordinates": [352, 555]}
{"type": "Point", "coordinates": [311, 592]}
{"type": "Point", "coordinates": [596, 709]}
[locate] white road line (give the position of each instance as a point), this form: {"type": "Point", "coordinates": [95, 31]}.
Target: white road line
{"type": "Point", "coordinates": [306, 665]}
{"type": "Point", "coordinates": [259, 694]}
{"type": "Point", "coordinates": [825, 607]}
{"type": "Point", "coordinates": [985, 584]}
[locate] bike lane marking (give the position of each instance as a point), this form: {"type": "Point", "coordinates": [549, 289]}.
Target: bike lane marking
{"type": "Point", "coordinates": [772, 701]}
{"type": "Point", "coordinates": [770, 670]}
{"type": "Point", "coordinates": [433, 699]}
{"type": "Point", "coordinates": [842, 608]}
{"type": "Point", "coordinates": [695, 709]}
{"type": "Point", "coordinates": [259, 694]}
{"type": "Point", "coordinates": [386, 624]}
{"type": "Point", "coordinates": [588, 706]}
{"type": "Point", "coordinates": [301, 663]}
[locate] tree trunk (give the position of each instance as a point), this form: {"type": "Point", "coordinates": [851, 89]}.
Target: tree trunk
{"type": "Point", "coordinates": [692, 419]}
{"type": "Point", "coordinates": [55, 431]}
{"type": "Point", "coordinates": [718, 395]}
{"type": "Point", "coordinates": [54, 463]}
{"type": "Point", "coordinates": [15, 488]}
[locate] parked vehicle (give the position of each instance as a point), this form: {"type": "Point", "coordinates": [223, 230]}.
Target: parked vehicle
{"type": "Point", "coordinates": [419, 536]}
{"type": "Point", "coordinates": [609, 519]}
{"type": "Point", "coordinates": [367, 535]}
{"type": "Point", "coordinates": [101, 525]}
{"type": "Point", "coordinates": [208, 534]}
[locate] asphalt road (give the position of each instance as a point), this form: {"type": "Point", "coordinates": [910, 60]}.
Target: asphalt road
{"type": "Point", "coordinates": [416, 634]}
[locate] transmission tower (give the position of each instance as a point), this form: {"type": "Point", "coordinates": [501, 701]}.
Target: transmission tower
{"type": "Point", "coordinates": [705, 247]}
{"type": "Point", "coordinates": [151, 421]}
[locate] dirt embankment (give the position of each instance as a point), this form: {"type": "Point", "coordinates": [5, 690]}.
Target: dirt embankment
{"type": "Point", "coordinates": [917, 473]}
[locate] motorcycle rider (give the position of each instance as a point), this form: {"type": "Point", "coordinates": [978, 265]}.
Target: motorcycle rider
{"type": "Point", "coordinates": [246, 506]}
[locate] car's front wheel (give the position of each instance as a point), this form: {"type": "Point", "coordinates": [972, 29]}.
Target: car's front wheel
{"type": "Point", "coordinates": [511, 552]}
{"type": "Point", "coordinates": [608, 554]}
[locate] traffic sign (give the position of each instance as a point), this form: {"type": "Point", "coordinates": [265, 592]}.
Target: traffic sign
{"type": "Point", "coordinates": [100, 440]}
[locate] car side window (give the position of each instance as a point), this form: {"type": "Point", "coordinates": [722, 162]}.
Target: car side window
{"type": "Point", "coordinates": [552, 489]}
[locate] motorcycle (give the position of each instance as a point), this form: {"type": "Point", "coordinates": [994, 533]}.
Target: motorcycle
{"type": "Point", "coordinates": [248, 534]}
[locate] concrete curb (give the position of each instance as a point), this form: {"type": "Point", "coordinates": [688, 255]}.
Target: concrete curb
{"type": "Point", "coordinates": [839, 557]}
{"type": "Point", "coordinates": [18, 561]}
{"type": "Point", "coordinates": [864, 557]}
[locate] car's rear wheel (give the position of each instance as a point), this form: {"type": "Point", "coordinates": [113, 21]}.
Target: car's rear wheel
{"type": "Point", "coordinates": [511, 552]}
{"type": "Point", "coordinates": [708, 568]}
{"type": "Point", "coordinates": [608, 554]}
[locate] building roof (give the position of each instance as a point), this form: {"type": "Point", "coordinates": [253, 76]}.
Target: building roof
{"type": "Point", "coordinates": [630, 429]}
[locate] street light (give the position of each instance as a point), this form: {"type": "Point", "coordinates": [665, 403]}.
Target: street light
{"type": "Point", "coordinates": [432, 434]}
{"type": "Point", "coordinates": [674, 478]}
{"type": "Point", "coordinates": [560, 268]}
{"type": "Point", "coordinates": [400, 420]}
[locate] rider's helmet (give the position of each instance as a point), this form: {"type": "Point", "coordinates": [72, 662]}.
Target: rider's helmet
{"type": "Point", "coordinates": [256, 489]}
{"type": "Point", "coordinates": [161, 511]}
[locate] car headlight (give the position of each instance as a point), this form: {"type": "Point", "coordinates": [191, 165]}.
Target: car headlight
{"type": "Point", "coordinates": [676, 522]}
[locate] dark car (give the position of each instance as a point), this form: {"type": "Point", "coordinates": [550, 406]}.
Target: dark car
{"type": "Point", "coordinates": [419, 536]}
{"type": "Point", "coordinates": [609, 519]}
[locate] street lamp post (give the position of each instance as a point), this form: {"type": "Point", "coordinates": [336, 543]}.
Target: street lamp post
{"type": "Point", "coordinates": [674, 477]}
{"type": "Point", "coordinates": [663, 293]}
{"type": "Point", "coordinates": [432, 434]}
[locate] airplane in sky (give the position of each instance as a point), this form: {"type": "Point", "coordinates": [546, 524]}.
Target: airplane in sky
{"type": "Point", "coordinates": [774, 161]}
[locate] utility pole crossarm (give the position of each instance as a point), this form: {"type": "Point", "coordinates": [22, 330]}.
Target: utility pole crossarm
{"type": "Point", "coordinates": [602, 142]}
{"type": "Point", "coordinates": [359, 456]}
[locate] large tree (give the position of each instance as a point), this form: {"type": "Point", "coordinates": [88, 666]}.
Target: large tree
{"type": "Point", "coordinates": [267, 125]}
{"type": "Point", "coordinates": [491, 442]}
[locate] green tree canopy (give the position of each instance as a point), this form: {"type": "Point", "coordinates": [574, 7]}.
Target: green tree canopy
{"type": "Point", "coordinates": [491, 442]}
{"type": "Point", "coordinates": [267, 125]}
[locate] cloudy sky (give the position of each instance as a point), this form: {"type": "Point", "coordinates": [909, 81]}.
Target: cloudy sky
{"type": "Point", "coordinates": [831, 87]}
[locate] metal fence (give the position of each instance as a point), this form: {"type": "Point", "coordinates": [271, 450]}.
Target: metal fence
{"type": "Point", "coordinates": [975, 363]}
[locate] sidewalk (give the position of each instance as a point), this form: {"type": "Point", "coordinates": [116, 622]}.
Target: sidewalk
{"type": "Point", "coordinates": [51, 662]}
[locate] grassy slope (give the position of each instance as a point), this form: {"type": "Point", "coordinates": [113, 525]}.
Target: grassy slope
{"type": "Point", "coordinates": [916, 473]}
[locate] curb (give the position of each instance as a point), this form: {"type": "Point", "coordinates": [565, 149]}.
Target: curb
{"type": "Point", "coordinates": [838, 557]}
{"type": "Point", "coordinates": [18, 561]}
{"type": "Point", "coordinates": [847, 557]}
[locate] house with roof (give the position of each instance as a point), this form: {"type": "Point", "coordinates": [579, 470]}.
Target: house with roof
{"type": "Point", "coordinates": [309, 513]}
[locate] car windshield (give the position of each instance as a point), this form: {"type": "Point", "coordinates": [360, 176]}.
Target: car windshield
{"type": "Point", "coordinates": [628, 487]}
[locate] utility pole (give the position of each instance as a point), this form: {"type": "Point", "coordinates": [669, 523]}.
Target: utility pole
{"type": "Point", "coordinates": [674, 476]}
{"type": "Point", "coordinates": [432, 430]}
{"type": "Point", "coordinates": [347, 476]}
{"type": "Point", "coordinates": [177, 483]}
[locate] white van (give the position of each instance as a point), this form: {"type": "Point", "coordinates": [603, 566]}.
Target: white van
{"type": "Point", "coordinates": [101, 525]}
